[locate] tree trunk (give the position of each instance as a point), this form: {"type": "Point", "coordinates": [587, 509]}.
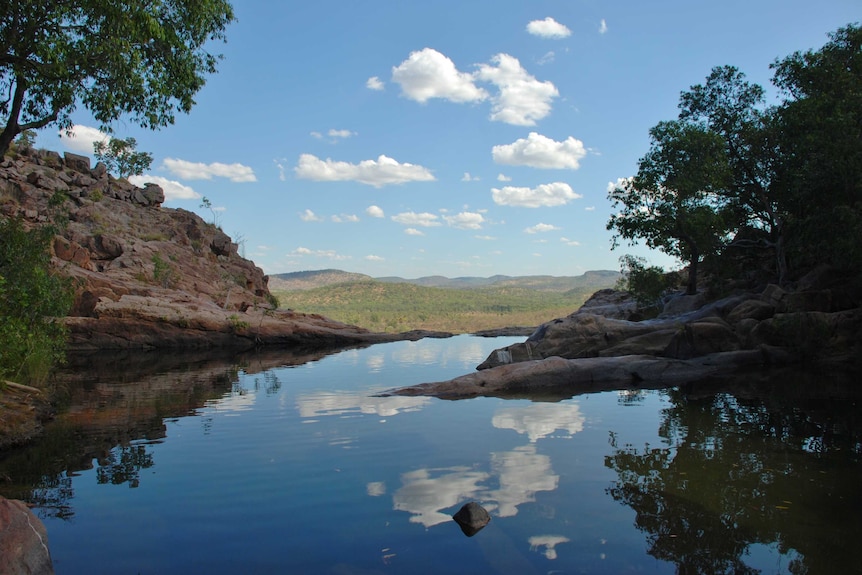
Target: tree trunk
{"type": "Point", "coordinates": [6, 137]}
{"type": "Point", "coordinates": [692, 276]}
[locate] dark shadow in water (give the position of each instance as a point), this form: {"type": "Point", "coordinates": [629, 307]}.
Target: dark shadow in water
{"type": "Point", "coordinates": [114, 405]}
{"type": "Point", "coordinates": [776, 462]}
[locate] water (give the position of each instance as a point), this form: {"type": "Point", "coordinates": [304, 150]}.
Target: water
{"type": "Point", "coordinates": [291, 464]}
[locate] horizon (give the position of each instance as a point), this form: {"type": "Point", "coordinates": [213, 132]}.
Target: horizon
{"type": "Point", "coordinates": [477, 140]}
{"type": "Point", "coordinates": [439, 275]}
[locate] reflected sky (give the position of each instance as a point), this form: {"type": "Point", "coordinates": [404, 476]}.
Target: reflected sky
{"type": "Point", "coordinates": [540, 420]}
{"type": "Point", "coordinates": [328, 403]}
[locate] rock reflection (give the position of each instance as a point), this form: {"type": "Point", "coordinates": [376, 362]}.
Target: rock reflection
{"type": "Point", "coordinates": [539, 420]}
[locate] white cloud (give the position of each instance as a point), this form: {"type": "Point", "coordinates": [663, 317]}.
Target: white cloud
{"type": "Point", "coordinates": [469, 178]}
{"type": "Point", "coordinates": [546, 59]}
{"type": "Point", "coordinates": [503, 178]}
{"type": "Point", "coordinates": [200, 171]}
{"type": "Point", "coordinates": [341, 133]}
{"type": "Point", "coordinates": [424, 219]}
{"type": "Point", "coordinates": [522, 99]}
{"type": "Point", "coordinates": [374, 211]}
{"type": "Point", "coordinates": [543, 195]}
{"type": "Point", "coordinates": [338, 219]}
{"type": "Point", "coordinates": [80, 139]}
{"type": "Point", "coordinates": [280, 166]}
{"type": "Point", "coordinates": [548, 28]}
{"type": "Point", "coordinates": [374, 83]}
{"type": "Point", "coordinates": [466, 221]}
{"type": "Point", "coordinates": [541, 228]}
{"type": "Point", "coordinates": [316, 135]}
{"type": "Point", "coordinates": [485, 238]}
{"type": "Point", "coordinates": [590, 208]}
{"type": "Point", "coordinates": [373, 258]}
{"type": "Point", "coordinates": [568, 242]}
{"type": "Point", "coordinates": [172, 188]}
{"type": "Point", "coordinates": [538, 151]}
{"type": "Point", "coordinates": [427, 74]}
{"type": "Point", "coordinates": [309, 216]}
{"type": "Point", "coordinates": [380, 172]}
{"type": "Point", "coordinates": [414, 232]}
{"type": "Point", "coordinates": [328, 254]}
{"type": "Point", "coordinates": [603, 27]}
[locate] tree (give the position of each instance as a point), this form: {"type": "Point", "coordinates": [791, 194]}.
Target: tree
{"type": "Point", "coordinates": [121, 157]}
{"type": "Point", "coordinates": [821, 148]}
{"type": "Point", "coordinates": [675, 202]}
{"type": "Point", "coordinates": [144, 59]}
{"type": "Point", "coordinates": [32, 296]}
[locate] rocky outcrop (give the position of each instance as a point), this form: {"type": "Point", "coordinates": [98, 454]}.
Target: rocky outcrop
{"type": "Point", "coordinates": [147, 276]}
{"type": "Point", "coordinates": [594, 349]}
{"type": "Point", "coordinates": [23, 541]}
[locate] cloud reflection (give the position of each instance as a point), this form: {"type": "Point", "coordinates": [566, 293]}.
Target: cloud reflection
{"type": "Point", "coordinates": [539, 420]}
{"type": "Point", "coordinates": [522, 473]}
{"type": "Point", "coordinates": [343, 403]}
{"type": "Point", "coordinates": [425, 496]}
{"type": "Point", "coordinates": [549, 542]}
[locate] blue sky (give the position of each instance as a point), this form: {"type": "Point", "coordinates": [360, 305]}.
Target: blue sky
{"type": "Point", "coordinates": [461, 138]}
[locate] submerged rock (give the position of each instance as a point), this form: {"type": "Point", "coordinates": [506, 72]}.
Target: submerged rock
{"type": "Point", "coordinates": [472, 517]}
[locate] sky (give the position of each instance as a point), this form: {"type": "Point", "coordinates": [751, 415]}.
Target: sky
{"type": "Point", "coordinates": [456, 138]}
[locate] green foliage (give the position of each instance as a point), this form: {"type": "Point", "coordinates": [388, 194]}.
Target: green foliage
{"type": "Point", "coordinates": [32, 297]}
{"type": "Point", "coordinates": [785, 178]}
{"type": "Point", "coordinates": [236, 324]}
{"type": "Point", "coordinates": [26, 140]}
{"type": "Point", "coordinates": [646, 283]}
{"type": "Point", "coordinates": [207, 204]}
{"type": "Point", "coordinates": [142, 59]}
{"type": "Point", "coordinates": [395, 307]}
{"type": "Point", "coordinates": [122, 158]}
{"type": "Point", "coordinates": [163, 272]}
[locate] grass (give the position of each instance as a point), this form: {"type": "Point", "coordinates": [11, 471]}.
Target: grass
{"type": "Point", "coordinates": [397, 307]}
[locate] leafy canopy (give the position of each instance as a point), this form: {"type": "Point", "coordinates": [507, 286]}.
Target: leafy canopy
{"type": "Point", "coordinates": [144, 59]}
{"type": "Point", "coordinates": [121, 157]}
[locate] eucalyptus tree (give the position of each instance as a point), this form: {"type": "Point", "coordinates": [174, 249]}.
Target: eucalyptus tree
{"type": "Point", "coordinates": [676, 201]}
{"type": "Point", "coordinates": [146, 60]}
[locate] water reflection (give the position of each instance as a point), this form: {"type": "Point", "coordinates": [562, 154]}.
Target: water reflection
{"type": "Point", "coordinates": [549, 542]}
{"type": "Point", "coordinates": [328, 403]}
{"type": "Point", "coordinates": [540, 420]}
{"type": "Point", "coordinates": [425, 492]}
{"type": "Point", "coordinates": [735, 475]}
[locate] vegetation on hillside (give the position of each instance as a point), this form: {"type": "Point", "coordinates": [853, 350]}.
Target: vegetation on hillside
{"type": "Point", "coordinates": [755, 192]}
{"type": "Point", "coordinates": [397, 307]}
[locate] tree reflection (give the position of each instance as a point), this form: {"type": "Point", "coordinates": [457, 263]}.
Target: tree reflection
{"type": "Point", "coordinates": [733, 472]}
{"type": "Point", "coordinates": [123, 465]}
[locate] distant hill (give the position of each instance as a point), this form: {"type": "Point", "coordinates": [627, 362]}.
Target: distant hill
{"type": "Point", "coordinates": [305, 280]}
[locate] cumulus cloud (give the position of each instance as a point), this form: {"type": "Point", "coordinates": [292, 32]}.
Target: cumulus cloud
{"type": "Point", "coordinates": [80, 139]}
{"type": "Point", "coordinates": [309, 216]}
{"type": "Point", "coordinates": [548, 28]}
{"type": "Point", "coordinates": [172, 188]}
{"type": "Point", "coordinates": [414, 232]}
{"type": "Point", "coordinates": [590, 208]}
{"type": "Point", "coordinates": [380, 172]}
{"type": "Point", "coordinates": [374, 83]}
{"type": "Point", "coordinates": [603, 26]}
{"type": "Point", "coordinates": [522, 99]}
{"type": "Point", "coordinates": [466, 221]}
{"type": "Point", "coordinates": [568, 242]}
{"type": "Point", "coordinates": [328, 254]}
{"type": "Point", "coordinates": [424, 219]}
{"type": "Point", "coordinates": [427, 74]}
{"type": "Point", "coordinates": [200, 171]}
{"type": "Point", "coordinates": [503, 178]}
{"type": "Point", "coordinates": [469, 178]}
{"type": "Point", "coordinates": [373, 258]}
{"type": "Point", "coordinates": [541, 228]}
{"type": "Point", "coordinates": [543, 195]}
{"type": "Point", "coordinates": [538, 151]}
{"type": "Point", "coordinates": [374, 211]}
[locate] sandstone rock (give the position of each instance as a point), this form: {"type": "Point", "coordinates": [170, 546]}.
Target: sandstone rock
{"type": "Point", "coordinates": [751, 309]}
{"type": "Point", "coordinates": [221, 244]}
{"type": "Point", "coordinates": [23, 541]}
{"type": "Point", "coordinates": [154, 195]}
{"type": "Point", "coordinates": [77, 162]}
{"type": "Point", "coordinates": [682, 304]}
{"type": "Point", "coordinates": [702, 338]}
{"type": "Point", "coordinates": [472, 517]}
{"type": "Point", "coordinates": [99, 170]}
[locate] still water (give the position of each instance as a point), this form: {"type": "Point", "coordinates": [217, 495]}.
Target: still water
{"type": "Point", "coordinates": [292, 464]}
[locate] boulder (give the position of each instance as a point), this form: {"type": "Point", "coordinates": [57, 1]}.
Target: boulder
{"type": "Point", "coordinates": [23, 541]}
{"type": "Point", "coordinates": [77, 162]}
{"type": "Point", "coordinates": [154, 194]}
{"type": "Point", "coordinates": [472, 517]}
